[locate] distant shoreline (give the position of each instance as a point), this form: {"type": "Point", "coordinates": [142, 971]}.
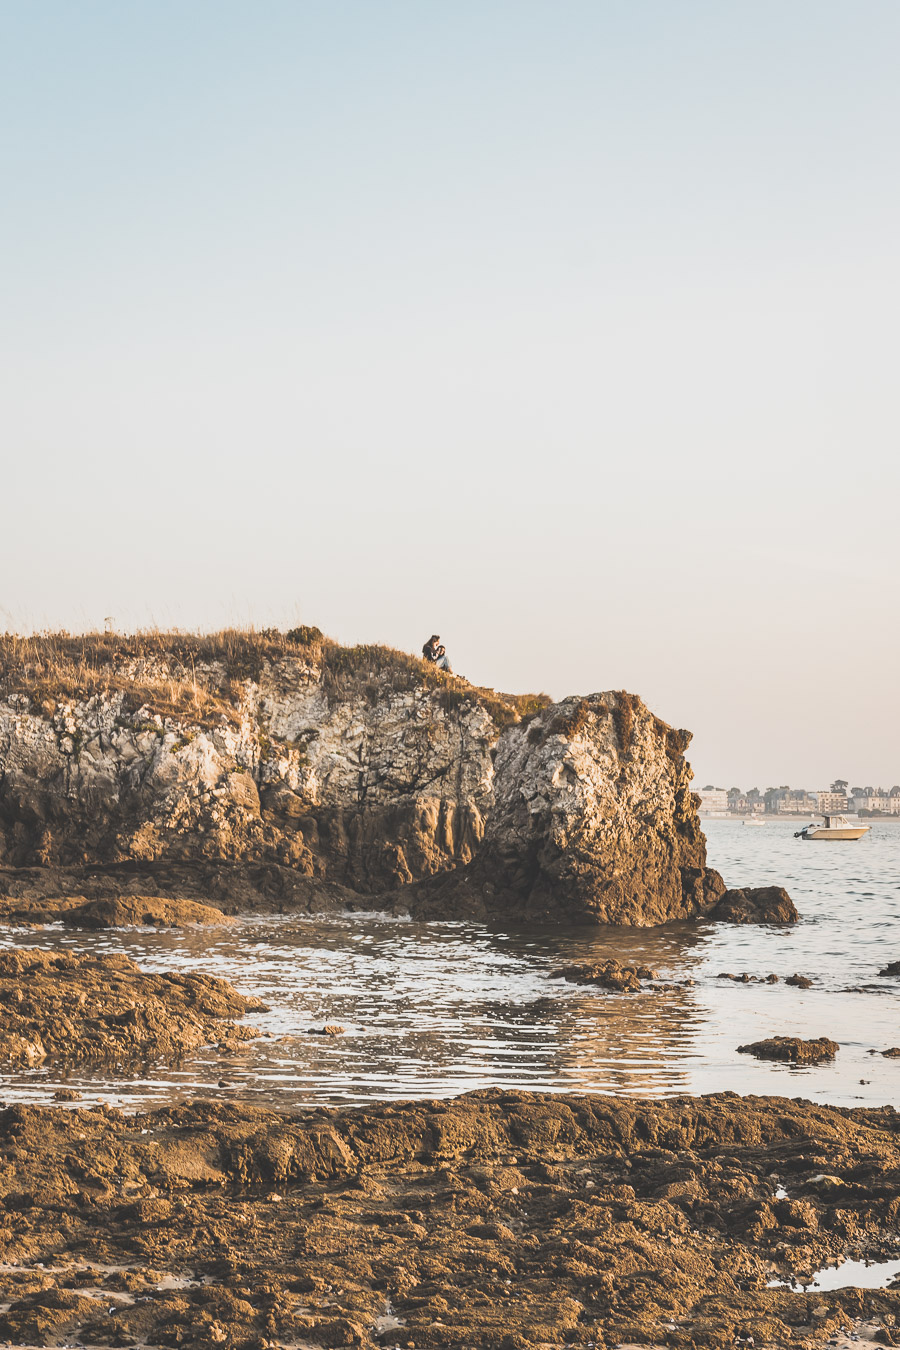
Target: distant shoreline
{"type": "Point", "coordinates": [798, 815]}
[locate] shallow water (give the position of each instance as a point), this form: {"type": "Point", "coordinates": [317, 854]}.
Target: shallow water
{"type": "Point", "coordinates": [846, 1275]}
{"type": "Point", "coordinates": [431, 1010]}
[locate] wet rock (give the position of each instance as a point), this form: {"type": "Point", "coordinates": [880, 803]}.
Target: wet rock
{"type": "Point", "coordinates": [501, 1217]}
{"type": "Point", "coordinates": [744, 978]}
{"type": "Point", "coordinates": [792, 1049]}
{"type": "Point", "coordinates": [126, 911]}
{"type": "Point", "coordinates": [799, 981]}
{"type": "Point", "coordinates": [892, 968]}
{"type": "Point", "coordinates": [893, 1053]}
{"type": "Point", "coordinates": [83, 1007]}
{"type": "Point", "coordinates": [760, 904]}
{"type": "Point", "coordinates": [611, 975]}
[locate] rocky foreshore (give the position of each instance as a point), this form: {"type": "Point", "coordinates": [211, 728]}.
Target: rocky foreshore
{"type": "Point", "coordinates": [281, 771]}
{"type": "Point", "coordinates": [495, 1221]}
{"type": "Point", "coordinates": [77, 1007]}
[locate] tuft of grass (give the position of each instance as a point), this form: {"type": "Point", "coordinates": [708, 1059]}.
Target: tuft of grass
{"type": "Point", "coordinates": [200, 677]}
{"type": "Point", "coordinates": [623, 716]}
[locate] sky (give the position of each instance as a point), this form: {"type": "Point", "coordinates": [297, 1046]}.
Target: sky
{"type": "Point", "coordinates": [566, 329]}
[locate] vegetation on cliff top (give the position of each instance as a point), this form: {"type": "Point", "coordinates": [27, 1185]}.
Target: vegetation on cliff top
{"type": "Point", "coordinates": [201, 676]}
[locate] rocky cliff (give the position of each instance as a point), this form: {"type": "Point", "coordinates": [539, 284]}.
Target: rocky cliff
{"type": "Point", "coordinates": [284, 766]}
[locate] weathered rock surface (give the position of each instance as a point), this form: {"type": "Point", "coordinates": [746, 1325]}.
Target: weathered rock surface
{"type": "Point", "coordinates": [792, 1049]}
{"type": "Point", "coordinates": [78, 1008]}
{"type": "Point", "coordinates": [592, 817]}
{"type": "Point", "coordinates": [120, 911]}
{"type": "Point", "coordinates": [500, 1220]}
{"type": "Point", "coordinates": [759, 904]}
{"type": "Point", "coordinates": [290, 771]}
{"type": "Point", "coordinates": [611, 975]}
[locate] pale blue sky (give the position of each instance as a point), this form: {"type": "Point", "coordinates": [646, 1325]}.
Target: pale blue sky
{"type": "Point", "coordinates": [566, 329]}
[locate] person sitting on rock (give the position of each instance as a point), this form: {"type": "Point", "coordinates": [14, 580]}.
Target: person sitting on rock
{"type": "Point", "coordinates": [436, 653]}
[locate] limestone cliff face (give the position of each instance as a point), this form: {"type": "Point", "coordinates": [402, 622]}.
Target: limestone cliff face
{"type": "Point", "coordinates": [593, 815]}
{"type": "Point", "coordinates": [360, 768]}
{"type": "Point", "coordinates": [370, 790]}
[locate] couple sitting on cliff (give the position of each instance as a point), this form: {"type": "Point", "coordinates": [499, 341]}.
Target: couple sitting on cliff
{"type": "Point", "coordinates": [436, 653]}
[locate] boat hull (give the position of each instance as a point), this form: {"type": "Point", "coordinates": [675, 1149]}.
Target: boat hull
{"type": "Point", "coordinates": [846, 833]}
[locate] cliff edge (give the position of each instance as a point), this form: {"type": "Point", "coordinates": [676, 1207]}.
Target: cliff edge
{"type": "Point", "coordinates": [287, 770]}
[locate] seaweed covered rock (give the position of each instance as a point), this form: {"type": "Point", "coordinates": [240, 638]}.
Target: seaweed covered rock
{"type": "Point", "coordinates": [125, 911]}
{"type": "Point", "coordinates": [78, 1008]}
{"type": "Point", "coordinates": [498, 1219]}
{"type": "Point", "coordinates": [610, 975]}
{"type": "Point", "coordinates": [792, 1049]}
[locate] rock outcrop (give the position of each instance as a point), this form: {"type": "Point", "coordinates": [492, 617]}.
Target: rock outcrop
{"type": "Point", "coordinates": [83, 1007]}
{"type": "Point", "coordinates": [757, 904]}
{"type": "Point", "coordinates": [250, 768]}
{"type": "Point", "coordinates": [792, 1049]}
{"type": "Point", "coordinates": [123, 911]}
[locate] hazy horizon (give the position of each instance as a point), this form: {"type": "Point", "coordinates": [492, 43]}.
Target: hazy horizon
{"type": "Point", "coordinates": [567, 331]}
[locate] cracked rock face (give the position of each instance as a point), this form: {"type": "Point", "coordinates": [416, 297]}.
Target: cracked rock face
{"type": "Point", "coordinates": [593, 815]}
{"type": "Point", "coordinates": [381, 784]}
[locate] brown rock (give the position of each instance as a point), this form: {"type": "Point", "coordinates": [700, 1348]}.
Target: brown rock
{"type": "Point", "coordinates": [760, 904]}
{"type": "Point", "coordinates": [76, 1008]}
{"type": "Point", "coordinates": [113, 912]}
{"type": "Point", "coordinates": [792, 1049]}
{"type": "Point", "coordinates": [799, 981]}
{"type": "Point", "coordinates": [619, 1219]}
{"type": "Point", "coordinates": [609, 975]}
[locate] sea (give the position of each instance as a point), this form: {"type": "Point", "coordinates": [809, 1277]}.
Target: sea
{"type": "Point", "coordinates": [430, 1010]}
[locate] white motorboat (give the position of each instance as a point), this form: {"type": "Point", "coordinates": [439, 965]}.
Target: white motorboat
{"type": "Point", "coordinates": [835, 827]}
{"type": "Point", "coordinates": [755, 822]}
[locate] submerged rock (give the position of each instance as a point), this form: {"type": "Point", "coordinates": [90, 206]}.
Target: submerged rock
{"type": "Point", "coordinates": [746, 978]}
{"type": "Point", "coordinates": [792, 1049]}
{"type": "Point", "coordinates": [82, 1007]}
{"type": "Point", "coordinates": [611, 975]}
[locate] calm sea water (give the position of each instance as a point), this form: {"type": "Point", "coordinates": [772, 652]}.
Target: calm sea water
{"type": "Point", "coordinates": [431, 1010]}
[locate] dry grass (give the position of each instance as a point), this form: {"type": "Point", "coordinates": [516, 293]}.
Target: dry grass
{"type": "Point", "coordinates": [199, 676]}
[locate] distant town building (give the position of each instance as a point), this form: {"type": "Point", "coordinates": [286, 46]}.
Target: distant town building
{"type": "Point", "coordinates": [745, 803]}
{"type": "Point", "coordinates": [874, 801]}
{"type": "Point", "coordinates": [833, 799]}
{"type": "Point", "coordinates": [788, 801]}
{"type": "Point", "coordinates": [785, 801]}
{"type": "Point", "coordinates": [714, 801]}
